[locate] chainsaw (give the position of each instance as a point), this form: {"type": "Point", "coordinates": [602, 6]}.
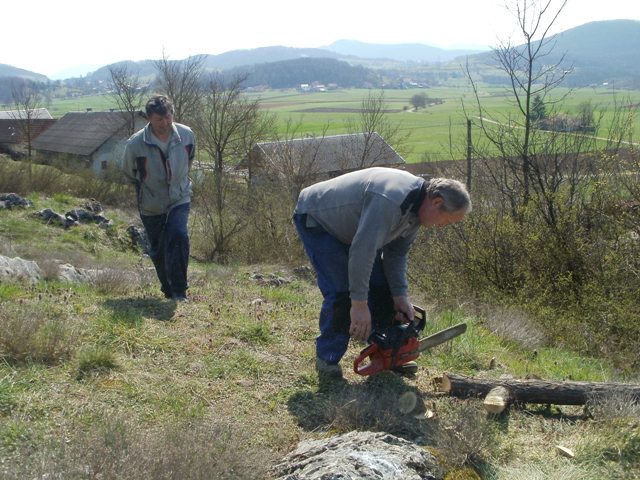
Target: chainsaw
{"type": "Point", "coordinates": [396, 345]}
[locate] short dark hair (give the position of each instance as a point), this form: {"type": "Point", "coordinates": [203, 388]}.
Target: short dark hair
{"type": "Point", "coordinates": [159, 104]}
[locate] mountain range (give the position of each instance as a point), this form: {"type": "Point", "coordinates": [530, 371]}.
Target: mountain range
{"type": "Point", "coordinates": [604, 51]}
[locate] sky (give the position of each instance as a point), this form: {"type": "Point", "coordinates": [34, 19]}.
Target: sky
{"type": "Point", "coordinates": [53, 37]}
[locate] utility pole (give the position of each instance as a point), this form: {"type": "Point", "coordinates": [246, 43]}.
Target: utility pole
{"type": "Point", "coordinates": [469, 149]}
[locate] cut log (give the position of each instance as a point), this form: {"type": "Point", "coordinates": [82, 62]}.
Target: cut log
{"type": "Point", "coordinates": [497, 400]}
{"type": "Point", "coordinates": [538, 391]}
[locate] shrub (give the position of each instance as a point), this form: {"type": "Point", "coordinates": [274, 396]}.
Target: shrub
{"type": "Point", "coordinates": [570, 266]}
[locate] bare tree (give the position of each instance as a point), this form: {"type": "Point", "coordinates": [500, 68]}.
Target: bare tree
{"type": "Point", "coordinates": [373, 118]}
{"type": "Point", "coordinates": [530, 76]}
{"type": "Point", "coordinates": [180, 80]}
{"type": "Point", "coordinates": [294, 159]}
{"type": "Point", "coordinates": [280, 169]}
{"type": "Point", "coordinates": [128, 91]}
{"type": "Point", "coordinates": [226, 123]}
{"type": "Point", "coordinates": [28, 97]}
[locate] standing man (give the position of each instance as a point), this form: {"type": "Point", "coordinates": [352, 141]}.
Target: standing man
{"type": "Point", "coordinates": [357, 230]}
{"type": "Point", "coordinates": [157, 159]}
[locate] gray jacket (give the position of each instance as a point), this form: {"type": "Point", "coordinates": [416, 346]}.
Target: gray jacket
{"type": "Point", "coordinates": [162, 181]}
{"type": "Point", "coordinates": [370, 210]}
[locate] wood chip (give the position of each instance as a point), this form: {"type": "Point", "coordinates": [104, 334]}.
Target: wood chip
{"type": "Point", "coordinates": [564, 451]}
{"type": "Point", "coordinates": [426, 415]}
{"type": "Point", "coordinates": [407, 402]}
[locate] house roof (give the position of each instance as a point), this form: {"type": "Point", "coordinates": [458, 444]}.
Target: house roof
{"type": "Point", "coordinates": [13, 131]}
{"type": "Point", "coordinates": [81, 133]}
{"type": "Point", "coordinates": [334, 153]}
{"type": "Point", "coordinates": [36, 113]}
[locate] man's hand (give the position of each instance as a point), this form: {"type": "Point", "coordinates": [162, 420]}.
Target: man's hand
{"type": "Point", "coordinates": [404, 308]}
{"type": "Point", "coordinates": [360, 320]}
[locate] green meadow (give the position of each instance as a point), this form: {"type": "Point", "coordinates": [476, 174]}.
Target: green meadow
{"type": "Point", "coordinates": [437, 132]}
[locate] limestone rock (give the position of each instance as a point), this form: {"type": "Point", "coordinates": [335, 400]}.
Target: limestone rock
{"type": "Point", "coordinates": [12, 200]}
{"type": "Point", "coordinates": [19, 269]}
{"type": "Point", "coordinates": [358, 455]}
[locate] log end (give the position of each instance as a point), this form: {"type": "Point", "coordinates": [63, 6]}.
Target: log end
{"type": "Point", "coordinates": [497, 400]}
{"type": "Point", "coordinates": [445, 384]}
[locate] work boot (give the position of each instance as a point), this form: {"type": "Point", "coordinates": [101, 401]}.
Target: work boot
{"type": "Point", "coordinates": [328, 370]}
{"type": "Point", "coordinates": [408, 369]}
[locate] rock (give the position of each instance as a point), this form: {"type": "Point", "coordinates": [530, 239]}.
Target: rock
{"type": "Point", "coordinates": [80, 215]}
{"type": "Point", "coordinates": [73, 217]}
{"type": "Point", "coordinates": [305, 272]}
{"type": "Point", "coordinates": [19, 269]}
{"type": "Point", "coordinates": [69, 273]}
{"type": "Point", "coordinates": [358, 455]}
{"type": "Point", "coordinates": [11, 200]}
{"type": "Point", "coordinates": [93, 206]}
{"type": "Point", "coordinates": [138, 238]}
{"type": "Point", "coordinates": [271, 279]}
{"type": "Point", "coordinates": [50, 216]}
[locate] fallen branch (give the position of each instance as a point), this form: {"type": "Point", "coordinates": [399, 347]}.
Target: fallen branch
{"type": "Point", "coordinates": [533, 391]}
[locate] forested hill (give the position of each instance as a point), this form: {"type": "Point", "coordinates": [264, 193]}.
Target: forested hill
{"type": "Point", "coordinates": [14, 72]}
{"type": "Point", "coordinates": [596, 53]}
{"type": "Point", "coordinates": [293, 73]}
{"type": "Point", "coordinates": [603, 52]}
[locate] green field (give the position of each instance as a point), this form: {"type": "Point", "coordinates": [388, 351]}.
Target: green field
{"type": "Point", "coordinates": [436, 133]}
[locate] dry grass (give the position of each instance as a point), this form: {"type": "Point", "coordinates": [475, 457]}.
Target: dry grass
{"type": "Point", "coordinates": [29, 333]}
{"type": "Point", "coordinates": [110, 281]}
{"type": "Point", "coordinates": [115, 447]}
{"type": "Point", "coordinates": [514, 325]}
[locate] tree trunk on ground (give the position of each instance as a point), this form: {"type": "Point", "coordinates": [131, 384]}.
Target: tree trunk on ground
{"type": "Point", "coordinates": [533, 391]}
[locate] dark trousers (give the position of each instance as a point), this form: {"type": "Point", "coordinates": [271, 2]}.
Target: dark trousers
{"type": "Point", "coordinates": [330, 259]}
{"type": "Point", "coordinates": [169, 248]}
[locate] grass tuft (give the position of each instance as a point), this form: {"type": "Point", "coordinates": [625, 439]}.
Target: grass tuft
{"type": "Point", "coordinates": [29, 333]}
{"type": "Point", "coordinates": [95, 360]}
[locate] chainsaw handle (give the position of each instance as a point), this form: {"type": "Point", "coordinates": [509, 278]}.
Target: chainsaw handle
{"type": "Point", "coordinates": [375, 362]}
{"type": "Point", "coordinates": [422, 317]}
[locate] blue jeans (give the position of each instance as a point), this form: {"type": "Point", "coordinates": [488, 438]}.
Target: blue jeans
{"type": "Point", "coordinates": [330, 259]}
{"type": "Point", "coordinates": [169, 248]}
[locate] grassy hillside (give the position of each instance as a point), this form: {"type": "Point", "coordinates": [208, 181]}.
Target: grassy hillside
{"type": "Point", "coordinates": [107, 379]}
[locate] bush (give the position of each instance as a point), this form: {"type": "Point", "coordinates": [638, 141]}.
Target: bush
{"type": "Point", "coordinates": [573, 267]}
{"type": "Point", "coordinates": [16, 177]}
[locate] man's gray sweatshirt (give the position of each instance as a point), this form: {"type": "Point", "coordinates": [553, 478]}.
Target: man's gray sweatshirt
{"type": "Point", "coordinates": [369, 210]}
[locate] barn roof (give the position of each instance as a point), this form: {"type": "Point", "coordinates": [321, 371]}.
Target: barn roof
{"type": "Point", "coordinates": [81, 133]}
{"type": "Point", "coordinates": [36, 113]}
{"type": "Point", "coordinates": [13, 131]}
{"type": "Point", "coordinates": [334, 153]}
